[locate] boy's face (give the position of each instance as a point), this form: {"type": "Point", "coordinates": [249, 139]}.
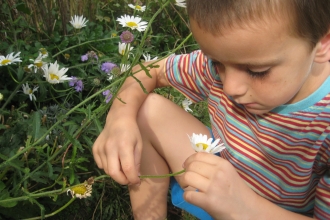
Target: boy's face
{"type": "Point", "coordinates": [261, 66]}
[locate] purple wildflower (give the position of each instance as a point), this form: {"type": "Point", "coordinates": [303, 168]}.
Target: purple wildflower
{"type": "Point", "coordinates": [73, 81]}
{"type": "Point", "coordinates": [79, 86]}
{"type": "Point", "coordinates": [84, 57]}
{"type": "Point", "coordinates": [107, 67]}
{"type": "Point", "coordinates": [76, 83]}
{"type": "Point", "coordinates": [126, 37]}
{"type": "Point", "coordinates": [107, 95]}
{"type": "Point", "coordinates": [88, 55]}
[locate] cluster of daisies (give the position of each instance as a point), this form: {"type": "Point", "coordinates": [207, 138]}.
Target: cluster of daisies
{"type": "Point", "coordinates": [52, 71]}
{"type": "Point", "coordinates": [54, 74]}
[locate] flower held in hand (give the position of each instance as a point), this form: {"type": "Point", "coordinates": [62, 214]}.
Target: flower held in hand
{"type": "Point", "coordinates": [201, 143]}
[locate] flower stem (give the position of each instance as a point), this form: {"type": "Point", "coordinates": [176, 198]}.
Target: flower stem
{"type": "Point", "coordinates": [80, 44]}
{"type": "Point", "coordinates": [162, 176]}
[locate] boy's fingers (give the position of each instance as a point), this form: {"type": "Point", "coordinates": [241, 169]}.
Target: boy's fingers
{"type": "Point", "coordinates": [201, 168]}
{"type": "Point", "coordinates": [128, 166]}
{"type": "Point", "coordinates": [202, 156]}
{"type": "Point", "coordinates": [195, 180]}
{"type": "Point", "coordinates": [196, 198]}
{"type": "Point", "coordinates": [114, 170]}
{"type": "Point", "coordinates": [98, 160]}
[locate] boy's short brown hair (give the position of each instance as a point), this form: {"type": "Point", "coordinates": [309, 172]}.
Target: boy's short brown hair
{"type": "Point", "coordinates": [308, 19]}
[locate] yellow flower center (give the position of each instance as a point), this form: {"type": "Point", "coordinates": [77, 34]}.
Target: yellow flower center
{"type": "Point", "coordinates": [122, 52]}
{"type": "Point", "coordinates": [27, 69]}
{"type": "Point", "coordinates": [38, 64]}
{"type": "Point", "coordinates": [205, 146]}
{"type": "Point", "coordinates": [53, 76]}
{"type": "Point", "coordinates": [30, 91]}
{"type": "Point", "coordinates": [131, 24]}
{"type": "Point", "coordinates": [81, 189]}
{"type": "Point", "coordinates": [138, 7]}
{"type": "Point", "coordinates": [43, 51]}
{"type": "Point", "coordinates": [5, 61]}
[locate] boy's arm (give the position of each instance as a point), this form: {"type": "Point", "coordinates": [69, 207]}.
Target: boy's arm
{"type": "Point", "coordinates": [117, 149]}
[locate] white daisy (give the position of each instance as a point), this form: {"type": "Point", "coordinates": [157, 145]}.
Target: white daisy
{"type": "Point", "coordinates": [137, 7]}
{"type": "Point", "coordinates": [28, 91]}
{"type": "Point", "coordinates": [132, 22]}
{"type": "Point", "coordinates": [180, 3]}
{"type": "Point", "coordinates": [124, 67]}
{"type": "Point", "coordinates": [185, 104]}
{"type": "Point", "coordinates": [110, 77]}
{"type": "Point", "coordinates": [10, 58]}
{"type": "Point", "coordinates": [148, 58]}
{"type": "Point", "coordinates": [78, 21]}
{"type": "Point", "coordinates": [55, 75]}
{"type": "Point", "coordinates": [200, 143]}
{"type": "Point", "coordinates": [38, 63]}
{"type": "Point", "coordinates": [43, 53]}
{"type": "Point", "coordinates": [122, 48]}
{"type": "Point", "coordinates": [80, 191]}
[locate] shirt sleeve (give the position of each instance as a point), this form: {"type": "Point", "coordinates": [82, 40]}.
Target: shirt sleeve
{"type": "Point", "coordinates": [322, 196]}
{"type": "Point", "coordinates": [192, 74]}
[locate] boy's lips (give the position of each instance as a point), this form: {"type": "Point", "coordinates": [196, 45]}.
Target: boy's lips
{"type": "Point", "coordinates": [250, 105]}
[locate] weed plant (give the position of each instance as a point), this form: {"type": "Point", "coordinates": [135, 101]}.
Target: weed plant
{"type": "Point", "coordinates": [57, 84]}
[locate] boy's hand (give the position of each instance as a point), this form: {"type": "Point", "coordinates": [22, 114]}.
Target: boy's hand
{"type": "Point", "coordinates": [221, 191]}
{"type": "Point", "coordinates": [117, 150]}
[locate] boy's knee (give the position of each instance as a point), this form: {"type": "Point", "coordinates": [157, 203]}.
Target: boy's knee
{"type": "Point", "coordinates": [151, 107]}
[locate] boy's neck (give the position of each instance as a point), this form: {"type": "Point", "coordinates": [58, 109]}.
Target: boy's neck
{"type": "Point", "coordinates": [319, 73]}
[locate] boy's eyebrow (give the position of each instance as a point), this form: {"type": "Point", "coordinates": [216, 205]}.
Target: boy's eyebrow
{"type": "Point", "coordinates": [262, 63]}
{"type": "Point", "coordinates": [255, 64]}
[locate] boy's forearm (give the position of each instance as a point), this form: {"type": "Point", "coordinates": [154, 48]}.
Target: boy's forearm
{"type": "Point", "coordinates": [131, 96]}
{"type": "Point", "coordinates": [269, 210]}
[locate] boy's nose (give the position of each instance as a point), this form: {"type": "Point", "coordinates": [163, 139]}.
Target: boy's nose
{"type": "Point", "coordinates": [235, 83]}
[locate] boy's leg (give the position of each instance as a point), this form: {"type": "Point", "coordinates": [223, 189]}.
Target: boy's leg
{"type": "Point", "coordinates": [164, 128]}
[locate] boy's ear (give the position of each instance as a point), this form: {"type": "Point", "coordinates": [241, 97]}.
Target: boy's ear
{"type": "Point", "coordinates": [323, 49]}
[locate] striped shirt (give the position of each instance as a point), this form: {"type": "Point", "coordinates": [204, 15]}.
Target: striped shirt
{"type": "Point", "coordinates": [283, 155]}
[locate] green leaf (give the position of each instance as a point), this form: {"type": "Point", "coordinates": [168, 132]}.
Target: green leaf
{"type": "Point", "coordinates": [20, 73]}
{"type": "Point", "coordinates": [72, 176]}
{"type": "Point", "coordinates": [4, 195]}
{"type": "Point", "coordinates": [23, 8]}
{"type": "Point", "coordinates": [98, 124]}
{"type": "Point", "coordinates": [141, 85]}
{"type": "Point", "coordinates": [39, 177]}
{"type": "Point", "coordinates": [88, 141]}
{"type": "Point", "coordinates": [2, 127]}
{"type": "Point", "coordinates": [8, 204]}
{"type": "Point", "coordinates": [2, 186]}
{"type": "Point", "coordinates": [50, 169]}
{"type": "Point", "coordinates": [36, 123]}
{"type": "Point", "coordinates": [145, 70]}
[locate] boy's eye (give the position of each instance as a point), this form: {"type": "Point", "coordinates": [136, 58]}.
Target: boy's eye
{"type": "Point", "coordinates": [257, 74]}
{"type": "Point", "coordinates": [215, 62]}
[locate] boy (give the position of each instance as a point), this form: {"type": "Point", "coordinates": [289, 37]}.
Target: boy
{"type": "Point", "coordinates": [263, 67]}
